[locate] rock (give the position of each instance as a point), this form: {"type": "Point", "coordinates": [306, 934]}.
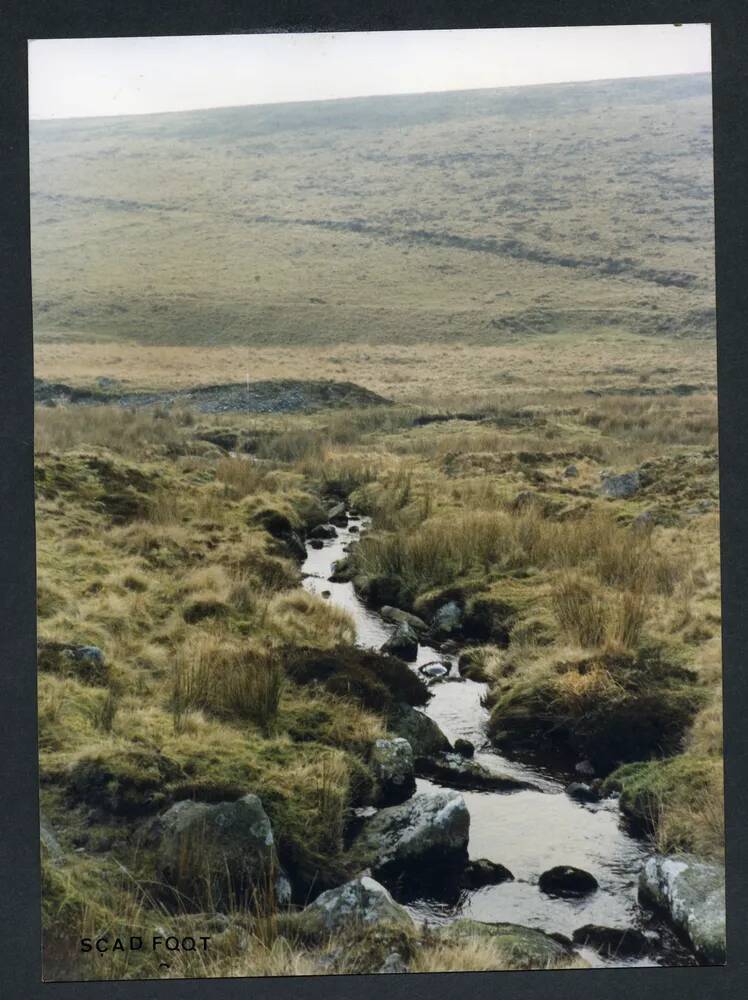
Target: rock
{"type": "Point", "coordinates": [391, 614]}
{"type": "Point", "coordinates": [571, 472]}
{"type": "Point", "coordinates": [423, 734]}
{"type": "Point", "coordinates": [86, 662]}
{"type": "Point", "coordinates": [325, 594]}
{"type": "Point", "coordinates": [563, 880]}
{"type": "Point", "coordinates": [527, 948]}
{"type": "Point", "coordinates": [483, 872]}
{"type": "Point", "coordinates": [434, 670]}
{"type": "Point", "coordinates": [353, 529]}
{"type": "Point", "coordinates": [337, 515]}
{"type": "Point", "coordinates": [691, 894]}
{"type": "Point", "coordinates": [379, 590]}
{"type": "Point", "coordinates": [316, 543]}
{"type": "Point", "coordinates": [361, 902]}
{"type": "Point", "coordinates": [403, 643]}
{"type": "Point", "coordinates": [464, 747]}
{"type": "Point", "coordinates": [324, 532]}
{"type": "Point", "coordinates": [392, 764]}
{"type": "Point", "coordinates": [585, 768]}
{"type": "Point", "coordinates": [614, 942]}
{"type": "Point", "coordinates": [582, 793]}
{"type": "Point", "coordinates": [430, 829]}
{"type": "Point", "coordinates": [455, 771]}
{"type": "Point", "coordinates": [446, 619]}
{"type": "Point", "coordinates": [620, 487]}
{"type": "Point", "coordinates": [393, 964]}
{"type": "Point", "coordinates": [222, 854]}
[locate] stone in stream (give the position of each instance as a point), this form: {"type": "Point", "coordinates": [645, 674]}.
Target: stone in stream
{"type": "Point", "coordinates": [362, 902]}
{"type": "Point", "coordinates": [325, 594]}
{"type": "Point", "coordinates": [464, 747]}
{"type": "Point", "coordinates": [429, 830]}
{"type": "Point", "coordinates": [423, 734]}
{"type": "Point", "coordinates": [585, 769]}
{"type": "Point", "coordinates": [484, 872]}
{"type": "Point", "coordinates": [399, 617]}
{"type": "Point", "coordinates": [403, 643]}
{"type": "Point", "coordinates": [353, 529]}
{"type": "Point", "coordinates": [455, 771]}
{"type": "Point", "coordinates": [316, 543]}
{"type": "Point", "coordinates": [337, 515]}
{"type": "Point", "coordinates": [323, 531]}
{"type": "Point", "coordinates": [613, 942]}
{"type": "Point", "coordinates": [433, 670]}
{"type": "Point", "coordinates": [392, 764]}
{"type": "Point", "coordinates": [582, 793]}
{"type": "Point", "coordinates": [565, 880]}
{"type": "Point", "coordinates": [691, 893]}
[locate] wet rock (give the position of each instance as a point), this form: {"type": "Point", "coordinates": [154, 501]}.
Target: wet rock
{"type": "Point", "coordinates": [483, 872]}
{"type": "Point", "coordinates": [337, 515]}
{"type": "Point", "coordinates": [528, 948]}
{"type": "Point", "coordinates": [433, 670]}
{"type": "Point", "coordinates": [691, 894]}
{"type": "Point", "coordinates": [323, 531]}
{"type": "Point", "coordinates": [620, 487]}
{"type": "Point", "coordinates": [464, 747]}
{"type": "Point", "coordinates": [223, 854]}
{"type": "Point", "coordinates": [393, 964]}
{"type": "Point", "coordinates": [316, 543]}
{"type": "Point", "coordinates": [423, 734]}
{"type": "Point", "coordinates": [564, 880]}
{"type": "Point", "coordinates": [362, 902]}
{"type": "Point", "coordinates": [582, 792]}
{"type": "Point", "coordinates": [379, 590]}
{"type": "Point", "coordinates": [431, 828]}
{"type": "Point", "coordinates": [353, 529]}
{"type": "Point", "coordinates": [585, 768]}
{"type": "Point", "coordinates": [613, 942]}
{"type": "Point", "coordinates": [326, 594]}
{"type": "Point", "coordinates": [399, 617]}
{"type": "Point", "coordinates": [446, 619]}
{"type": "Point", "coordinates": [455, 771]}
{"type": "Point", "coordinates": [571, 472]}
{"type": "Point", "coordinates": [392, 764]}
{"type": "Point", "coordinates": [403, 643]}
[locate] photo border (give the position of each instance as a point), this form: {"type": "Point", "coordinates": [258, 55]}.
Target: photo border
{"type": "Point", "coordinates": [20, 917]}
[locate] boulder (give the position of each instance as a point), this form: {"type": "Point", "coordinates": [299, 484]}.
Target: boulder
{"type": "Point", "coordinates": [85, 662]}
{"type": "Point", "coordinates": [585, 769]}
{"type": "Point", "coordinates": [620, 487]}
{"type": "Point", "coordinates": [456, 771]}
{"type": "Point", "coordinates": [613, 942]}
{"type": "Point", "coordinates": [403, 643]}
{"type": "Point", "coordinates": [430, 829]}
{"type": "Point", "coordinates": [691, 894]}
{"type": "Point", "coordinates": [423, 734]}
{"type": "Point", "coordinates": [221, 855]}
{"type": "Point", "coordinates": [446, 620]}
{"type": "Point", "coordinates": [362, 902]}
{"type": "Point", "coordinates": [564, 880]}
{"type": "Point", "coordinates": [337, 515]}
{"type": "Point", "coordinates": [392, 764]}
{"type": "Point", "coordinates": [571, 472]}
{"type": "Point", "coordinates": [464, 747]}
{"type": "Point", "coordinates": [323, 531]}
{"type": "Point", "coordinates": [399, 617]}
{"type": "Point", "coordinates": [582, 793]}
{"type": "Point", "coordinates": [316, 543]}
{"type": "Point", "coordinates": [393, 963]}
{"type": "Point", "coordinates": [483, 872]}
{"type": "Point", "coordinates": [524, 947]}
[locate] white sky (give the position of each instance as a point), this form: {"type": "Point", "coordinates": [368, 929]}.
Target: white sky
{"type": "Point", "coordinates": [114, 76]}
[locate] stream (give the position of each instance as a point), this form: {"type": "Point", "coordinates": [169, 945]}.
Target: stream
{"type": "Point", "coordinates": [528, 831]}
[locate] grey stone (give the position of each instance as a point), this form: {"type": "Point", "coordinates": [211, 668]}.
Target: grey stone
{"type": "Point", "coordinates": [526, 947]}
{"type": "Point", "coordinates": [620, 487]}
{"type": "Point", "coordinates": [464, 747]}
{"type": "Point", "coordinates": [403, 643]}
{"type": "Point", "coordinates": [456, 771]}
{"type": "Point", "coordinates": [431, 828]}
{"type": "Point", "coordinates": [571, 472]}
{"type": "Point", "coordinates": [399, 617]}
{"type": "Point", "coordinates": [223, 854]}
{"type": "Point", "coordinates": [361, 902]}
{"type": "Point", "coordinates": [423, 734]}
{"type": "Point", "coordinates": [392, 764]}
{"type": "Point", "coordinates": [446, 619]}
{"type": "Point", "coordinates": [581, 792]}
{"type": "Point", "coordinates": [393, 964]}
{"type": "Point", "coordinates": [484, 872]}
{"type": "Point", "coordinates": [691, 894]}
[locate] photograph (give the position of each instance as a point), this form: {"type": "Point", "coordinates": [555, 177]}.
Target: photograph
{"type": "Point", "coordinates": [377, 502]}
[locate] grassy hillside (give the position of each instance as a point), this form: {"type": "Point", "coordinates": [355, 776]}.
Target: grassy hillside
{"type": "Point", "coordinates": [477, 217]}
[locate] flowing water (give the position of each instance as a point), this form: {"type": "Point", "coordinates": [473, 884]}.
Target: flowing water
{"type": "Point", "coordinates": [528, 831]}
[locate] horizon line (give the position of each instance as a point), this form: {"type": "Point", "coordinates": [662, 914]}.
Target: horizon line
{"type": "Point", "coordinates": [364, 97]}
